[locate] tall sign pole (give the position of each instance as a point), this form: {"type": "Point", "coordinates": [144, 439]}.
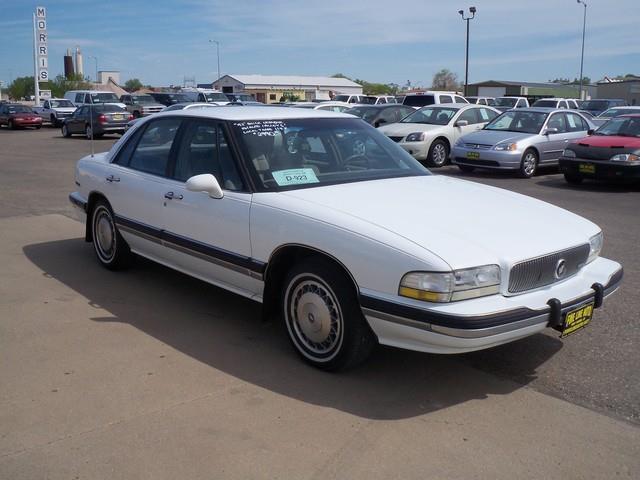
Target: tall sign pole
{"type": "Point", "coordinates": [40, 50]}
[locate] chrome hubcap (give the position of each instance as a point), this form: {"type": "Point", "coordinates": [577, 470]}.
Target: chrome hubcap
{"type": "Point", "coordinates": [104, 235]}
{"type": "Point", "coordinates": [89, 132]}
{"type": "Point", "coordinates": [439, 154]}
{"type": "Point", "coordinates": [315, 317]}
{"type": "Point", "coordinates": [529, 163]}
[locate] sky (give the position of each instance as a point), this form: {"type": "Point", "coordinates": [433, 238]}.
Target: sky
{"type": "Point", "coordinates": [160, 41]}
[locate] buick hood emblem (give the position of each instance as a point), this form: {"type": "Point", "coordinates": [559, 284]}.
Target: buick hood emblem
{"type": "Point", "coordinates": [561, 268]}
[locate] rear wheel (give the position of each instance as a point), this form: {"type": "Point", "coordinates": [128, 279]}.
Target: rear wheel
{"type": "Point", "coordinates": [529, 164]}
{"type": "Point", "coordinates": [466, 168]}
{"type": "Point", "coordinates": [111, 249]}
{"type": "Point", "coordinates": [54, 121]}
{"type": "Point", "coordinates": [65, 131]}
{"type": "Point", "coordinates": [323, 317]}
{"type": "Point", "coordinates": [438, 154]}
{"type": "Point", "coordinates": [88, 131]}
{"type": "Point", "coordinates": [573, 179]}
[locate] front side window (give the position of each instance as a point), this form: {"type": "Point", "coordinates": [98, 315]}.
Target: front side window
{"type": "Point", "coordinates": [470, 115]}
{"type": "Point", "coordinates": [302, 153]}
{"type": "Point", "coordinates": [152, 151]}
{"type": "Point", "coordinates": [521, 122]}
{"type": "Point", "coordinates": [445, 99]}
{"type": "Point", "coordinates": [557, 121]}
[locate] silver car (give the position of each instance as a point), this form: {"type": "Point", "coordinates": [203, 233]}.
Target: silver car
{"type": "Point", "coordinates": [520, 140]}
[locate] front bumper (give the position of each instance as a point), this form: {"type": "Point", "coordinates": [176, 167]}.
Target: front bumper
{"type": "Point", "coordinates": [485, 322]}
{"type": "Point", "coordinates": [418, 150]}
{"type": "Point", "coordinates": [489, 158]}
{"type": "Point", "coordinates": [602, 169]}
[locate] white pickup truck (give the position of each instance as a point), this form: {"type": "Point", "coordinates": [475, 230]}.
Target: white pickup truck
{"type": "Point", "coordinates": [55, 110]}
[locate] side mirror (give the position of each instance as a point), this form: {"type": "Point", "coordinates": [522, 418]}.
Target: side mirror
{"type": "Point", "coordinates": [205, 183]}
{"type": "Point", "coordinates": [591, 131]}
{"type": "Point", "coordinates": [550, 131]}
{"type": "Point", "coordinates": [462, 123]}
{"type": "Point", "coordinates": [380, 121]}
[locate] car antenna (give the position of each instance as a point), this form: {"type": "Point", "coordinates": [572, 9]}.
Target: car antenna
{"type": "Point", "coordinates": [91, 122]}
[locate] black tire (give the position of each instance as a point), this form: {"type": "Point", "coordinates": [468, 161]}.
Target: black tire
{"type": "Point", "coordinates": [529, 163]}
{"type": "Point", "coordinates": [339, 337]}
{"type": "Point", "coordinates": [38, 127]}
{"type": "Point", "coordinates": [65, 131]}
{"type": "Point", "coordinates": [466, 168]}
{"type": "Point", "coordinates": [438, 154]}
{"type": "Point", "coordinates": [11, 125]}
{"type": "Point", "coordinates": [111, 249]}
{"type": "Point", "coordinates": [573, 179]}
{"type": "Point", "coordinates": [54, 121]}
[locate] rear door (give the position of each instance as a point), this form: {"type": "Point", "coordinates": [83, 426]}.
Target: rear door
{"type": "Point", "coordinates": [206, 236]}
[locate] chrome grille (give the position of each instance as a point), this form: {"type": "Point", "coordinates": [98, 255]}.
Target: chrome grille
{"type": "Point", "coordinates": [541, 271]}
{"type": "Point", "coordinates": [396, 139]}
{"type": "Point", "coordinates": [477, 146]}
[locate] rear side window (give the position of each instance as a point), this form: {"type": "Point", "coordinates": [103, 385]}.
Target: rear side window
{"type": "Point", "coordinates": [487, 115]}
{"type": "Point", "coordinates": [575, 123]}
{"type": "Point", "coordinates": [419, 100]}
{"type": "Point", "coordinates": [460, 99]}
{"type": "Point", "coordinates": [151, 154]}
{"type": "Point", "coordinates": [470, 116]}
{"type": "Point", "coordinates": [124, 155]}
{"type": "Point", "coordinates": [79, 97]}
{"type": "Point", "coordinates": [445, 99]}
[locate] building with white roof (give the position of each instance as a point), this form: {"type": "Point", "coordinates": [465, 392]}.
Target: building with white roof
{"type": "Point", "coordinates": [272, 88]}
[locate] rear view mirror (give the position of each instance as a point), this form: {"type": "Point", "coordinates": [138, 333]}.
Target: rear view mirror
{"type": "Point", "coordinates": [205, 183]}
{"type": "Point", "coordinates": [591, 131]}
{"type": "Point", "coordinates": [462, 123]}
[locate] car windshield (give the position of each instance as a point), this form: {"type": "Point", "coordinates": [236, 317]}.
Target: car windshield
{"type": "Point", "coordinates": [616, 112]}
{"type": "Point", "coordinates": [19, 109]}
{"type": "Point", "coordinates": [341, 98]}
{"type": "Point", "coordinates": [518, 121]}
{"type": "Point", "coordinates": [546, 103]}
{"type": "Point", "coordinates": [365, 113]}
{"type": "Point", "coordinates": [419, 100]}
{"type": "Point", "coordinates": [61, 104]}
{"type": "Point", "coordinates": [142, 99]}
{"type": "Point", "coordinates": [431, 116]}
{"type": "Point", "coordinates": [595, 105]}
{"type": "Point", "coordinates": [505, 102]}
{"type": "Point", "coordinates": [216, 97]}
{"type": "Point", "coordinates": [621, 127]}
{"type": "Point", "coordinates": [104, 98]}
{"type": "Point", "coordinates": [302, 153]}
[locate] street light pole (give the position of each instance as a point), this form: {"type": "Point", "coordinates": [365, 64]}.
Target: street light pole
{"type": "Point", "coordinates": [96, 59]}
{"type": "Point", "coordinates": [218, 54]}
{"type": "Point", "coordinates": [584, 25]}
{"type": "Point", "coordinates": [472, 11]}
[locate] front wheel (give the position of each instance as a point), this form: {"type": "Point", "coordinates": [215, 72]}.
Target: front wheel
{"type": "Point", "coordinates": [529, 164]}
{"type": "Point", "coordinates": [323, 318]}
{"type": "Point", "coordinates": [65, 131]}
{"type": "Point", "coordinates": [88, 132]}
{"type": "Point", "coordinates": [111, 249]}
{"type": "Point", "coordinates": [438, 154]}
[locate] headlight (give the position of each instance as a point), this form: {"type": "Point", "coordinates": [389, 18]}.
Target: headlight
{"type": "Point", "coordinates": [506, 146]}
{"type": "Point", "coordinates": [595, 246]}
{"type": "Point", "coordinates": [451, 286]}
{"type": "Point", "coordinates": [625, 157]}
{"type": "Point", "coordinates": [568, 153]}
{"type": "Point", "coordinates": [415, 137]}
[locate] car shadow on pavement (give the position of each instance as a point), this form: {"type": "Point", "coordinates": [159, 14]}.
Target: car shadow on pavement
{"type": "Point", "coordinates": [225, 331]}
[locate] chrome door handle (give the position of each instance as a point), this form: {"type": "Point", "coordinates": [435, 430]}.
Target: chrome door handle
{"type": "Point", "coordinates": [172, 196]}
{"type": "Point", "coordinates": [111, 178]}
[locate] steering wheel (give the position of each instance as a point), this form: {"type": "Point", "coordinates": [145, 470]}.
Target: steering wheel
{"type": "Point", "coordinates": [360, 157]}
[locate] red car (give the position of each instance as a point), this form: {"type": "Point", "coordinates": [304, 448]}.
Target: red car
{"type": "Point", "coordinates": [16, 115]}
{"type": "Point", "coordinates": [611, 153]}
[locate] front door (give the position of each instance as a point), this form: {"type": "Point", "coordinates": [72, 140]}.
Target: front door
{"type": "Point", "coordinates": [554, 143]}
{"type": "Point", "coordinates": [205, 236]}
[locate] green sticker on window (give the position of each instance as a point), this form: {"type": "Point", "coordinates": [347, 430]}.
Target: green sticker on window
{"type": "Point", "coordinates": [295, 176]}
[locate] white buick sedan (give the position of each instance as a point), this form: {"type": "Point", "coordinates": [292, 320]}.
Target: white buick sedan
{"type": "Point", "coordinates": [331, 226]}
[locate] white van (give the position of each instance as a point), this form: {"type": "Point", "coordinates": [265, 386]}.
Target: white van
{"type": "Point", "coordinates": [422, 99]}
{"type": "Point", "coordinates": [90, 97]}
{"type": "Point", "coordinates": [205, 95]}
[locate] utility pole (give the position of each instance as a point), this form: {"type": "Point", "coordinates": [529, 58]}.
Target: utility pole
{"type": "Point", "coordinates": [218, 55]}
{"type": "Point", "coordinates": [584, 25]}
{"type": "Point", "coordinates": [472, 11]}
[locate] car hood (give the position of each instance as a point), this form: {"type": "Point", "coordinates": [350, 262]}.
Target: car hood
{"type": "Point", "coordinates": [464, 223]}
{"type": "Point", "coordinates": [492, 137]}
{"type": "Point", "coordinates": [23, 115]}
{"type": "Point", "coordinates": [403, 129]}
{"type": "Point", "coordinates": [612, 141]}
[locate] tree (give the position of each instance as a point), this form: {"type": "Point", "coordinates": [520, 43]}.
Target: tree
{"type": "Point", "coordinates": [133, 84]}
{"type": "Point", "coordinates": [61, 84]}
{"type": "Point", "coordinates": [445, 80]}
{"type": "Point", "coordinates": [21, 87]}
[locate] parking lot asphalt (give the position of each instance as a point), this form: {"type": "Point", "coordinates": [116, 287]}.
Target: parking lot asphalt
{"type": "Point", "coordinates": [151, 374]}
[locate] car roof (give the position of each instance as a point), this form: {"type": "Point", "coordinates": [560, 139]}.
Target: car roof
{"type": "Point", "coordinates": [248, 113]}
{"type": "Point", "coordinates": [631, 115]}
